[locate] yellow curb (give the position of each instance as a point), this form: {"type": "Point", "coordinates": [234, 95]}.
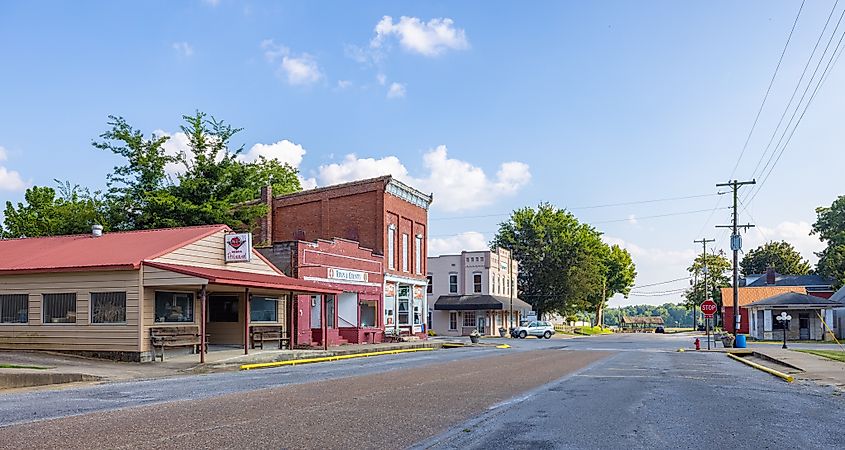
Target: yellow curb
{"type": "Point", "coordinates": [294, 362]}
{"type": "Point", "coordinates": [503, 346]}
{"type": "Point", "coordinates": [787, 378]}
{"type": "Point", "coordinates": [453, 345]}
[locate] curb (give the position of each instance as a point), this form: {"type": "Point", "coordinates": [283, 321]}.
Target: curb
{"type": "Point", "coordinates": [781, 375]}
{"type": "Point", "coordinates": [294, 362]}
{"type": "Point", "coordinates": [776, 361]}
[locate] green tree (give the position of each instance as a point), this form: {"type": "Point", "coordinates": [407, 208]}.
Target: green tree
{"type": "Point", "coordinates": [556, 256]}
{"type": "Point", "coordinates": [43, 213]}
{"type": "Point", "coordinates": [718, 268]}
{"type": "Point", "coordinates": [617, 273]}
{"type": "Point", "coordinates": [830, 227]}
{"type": "Point", "coordinates": [781, 256]}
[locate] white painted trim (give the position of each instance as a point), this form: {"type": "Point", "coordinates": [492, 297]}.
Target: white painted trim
{"type": "Point", "coordinates": [329, 280]}
{"type": "Point", "coordinates": [404, 280]}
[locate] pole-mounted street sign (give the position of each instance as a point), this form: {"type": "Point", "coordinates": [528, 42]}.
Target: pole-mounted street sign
{"type": "Point", "coordinates": [708, 308]}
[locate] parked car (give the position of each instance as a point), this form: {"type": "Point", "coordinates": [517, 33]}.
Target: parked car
{"type": "Point", "coordinates": [537, 328]}
{"type": "Point", "coordinates": [659, 330]}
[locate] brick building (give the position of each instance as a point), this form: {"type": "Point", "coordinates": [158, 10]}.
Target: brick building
{"type": "Point", "coordinates": [350, 317]}
{"type": "Point", "coordinates": [382, 214]}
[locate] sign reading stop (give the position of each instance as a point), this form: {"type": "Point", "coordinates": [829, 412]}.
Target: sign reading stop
{"type": "Point", "coordinates": [708, 307]}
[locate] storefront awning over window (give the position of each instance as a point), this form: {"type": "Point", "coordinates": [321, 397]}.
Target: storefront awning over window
{"type": "Point", "coordinates": [246, 279]}
{"type": "Point", "coordinates": [478, 302]}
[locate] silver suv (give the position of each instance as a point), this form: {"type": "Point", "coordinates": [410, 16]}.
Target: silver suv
{"type": "Point", "coordinates": [537, 328]}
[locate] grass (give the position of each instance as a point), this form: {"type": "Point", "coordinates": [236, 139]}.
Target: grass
{"type": "Point", "coordinates": [835, 355]}
{"type": "Point", "coordinates": [678, 330]}
{"type": "Point", "coordinates": [17, 366]}
{"type": "Point", "coordinates": [589, 331]}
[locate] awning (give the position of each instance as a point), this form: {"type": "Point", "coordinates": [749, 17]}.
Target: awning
{"type": "Point", "coordinates": [795, 300]}
{"type": "Point", "coordinates": [477, 302]}
{"type": "Point", "coordinates": [246, 279]}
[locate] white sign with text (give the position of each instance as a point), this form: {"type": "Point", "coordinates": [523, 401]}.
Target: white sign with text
{"type": "Point", "coordinates": [238, 247]}
{"type": "Point", "coordinates": [347, 275]}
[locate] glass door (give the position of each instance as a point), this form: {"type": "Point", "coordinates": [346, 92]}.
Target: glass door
{"type": "Point", "coordinates": [479, 324]}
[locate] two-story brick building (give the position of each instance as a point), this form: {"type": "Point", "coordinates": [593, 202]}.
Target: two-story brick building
{"type": "Point", "coordinates": [382, 214]}
{"type": "Point", "coordinates": [474, 290]}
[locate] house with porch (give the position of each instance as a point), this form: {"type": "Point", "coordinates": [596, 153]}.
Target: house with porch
{"type": "Point", "coordinates": [474, 291]}
{"type": "Point", "coordinates": [812, 317]}
{"type": "Point", "coordinates": [748, 295]}
{"type": "Point", "coordinates": [126, 295]}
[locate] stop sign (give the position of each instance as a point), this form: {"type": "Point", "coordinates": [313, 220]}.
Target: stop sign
{"type": "Point", "coordinates": [708, 307]}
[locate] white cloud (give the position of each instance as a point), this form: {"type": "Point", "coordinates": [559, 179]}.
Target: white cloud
{"type": "Point", "coordinates": [396, 90]}
{"type": "Point", "coordinates": [430, 38]}
{"type": "Point", "coordinates": [457, 185]}
{"type": "Point", "coordinates": [795, 233]}
{"type": "Point", "coordinates": [176, 145]}
{"type": "Point", "coordinates": [284, 151]}
{"type": "Point", "coordinates": [381, 78]}
{"type": "Point", "coordinates": [343, 84]}
{"type": "Point", "coordinates": [10, 180]}
{"type": "Point", "coordinates": [469, 241]}
{"type": "Point", "coordinates": [297, 70]}
{"type": "Point", "coordinates": [183, 48]}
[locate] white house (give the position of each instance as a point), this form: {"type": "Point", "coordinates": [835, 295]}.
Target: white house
{"type": "Point", "coordinates": [474, 290]}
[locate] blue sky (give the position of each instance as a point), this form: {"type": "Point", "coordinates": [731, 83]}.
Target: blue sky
{"type": "Point", "coordinates": [490, 105]}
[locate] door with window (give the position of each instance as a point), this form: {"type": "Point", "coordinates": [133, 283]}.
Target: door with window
{"type": "Point", "coordinates": [804, 326]}
{"type": "Point", "coordinates": [479, 324]}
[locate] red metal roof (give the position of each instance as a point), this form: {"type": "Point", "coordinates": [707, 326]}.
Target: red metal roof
{"type": "Point", "coordinates": [246, 279]}
{"type": "Point", "coordinates": [114, 250]}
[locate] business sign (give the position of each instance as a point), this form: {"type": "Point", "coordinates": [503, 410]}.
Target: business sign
{"type": "Point", "coordinates": [355, 276]}
{"type": "Point", "coordinates": [708, 307]}
{"type": "Point", "coordinates": [238, 247]}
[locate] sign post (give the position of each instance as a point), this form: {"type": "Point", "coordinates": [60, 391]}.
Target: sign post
{"type": "Point", "coordinates": [708, 308]}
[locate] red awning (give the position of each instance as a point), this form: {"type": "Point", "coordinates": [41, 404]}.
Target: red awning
{"type": "Point", "coordinates": [246, 279]}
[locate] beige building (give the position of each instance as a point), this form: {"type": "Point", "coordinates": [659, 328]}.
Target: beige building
{"type": "Point", "coordinates": [473, 290]}
{"type": "Point", "coordinates": [111, 294]}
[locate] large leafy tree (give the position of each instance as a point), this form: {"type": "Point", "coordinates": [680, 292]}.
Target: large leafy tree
{"type": "Point", "coordinates": [620, 273]}
{"type": "Point", "coordinates": [44, 213]}
{"type": "Point", "coordinates": [781, 256]}
{"type": "Point", "coordinates": [718, 268]}
{"type": "Point", "coordinates": [214, 186]}
{"type": "Point", "coordinates": [830, 227]}
{"type": "Point", "coordinates": [556, 253]}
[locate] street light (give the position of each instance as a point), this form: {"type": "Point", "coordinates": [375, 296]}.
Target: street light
{"type": "Point", "coordinates": [784, 319]}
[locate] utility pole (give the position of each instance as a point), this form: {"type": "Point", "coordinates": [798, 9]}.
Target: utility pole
{"type": "Point", "coordinates": [736, 245]}
{"type": "Point", "coordinates": [703, 243]}
{"type": "Point", "coordinates": [510, 284]}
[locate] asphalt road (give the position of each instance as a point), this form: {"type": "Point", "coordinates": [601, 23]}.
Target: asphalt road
{"type": "Point", "coordinates": [616, 391]}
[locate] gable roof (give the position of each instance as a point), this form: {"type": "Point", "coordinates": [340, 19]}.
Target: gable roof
{"type": "Point", "coordinates": [748, 295]}
{"type": "Point", "coordinates": [839, 296]}
{"type": "Point", "coordinates": [643, 320]}
{"type": "Point", "coordinates": [111, 251]}
{"type": "Point", "coordinates": [796, 299]}
{"type": "Point", "coordinates": [794, 280]}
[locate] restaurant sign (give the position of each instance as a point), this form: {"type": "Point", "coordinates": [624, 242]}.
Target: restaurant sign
{"type": "Point", "coordinates": [238, 247]}
{"type": "Point", "coordinates": [355, 276]}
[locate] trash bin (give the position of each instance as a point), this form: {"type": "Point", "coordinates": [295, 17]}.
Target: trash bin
{"type": "Point", "coordinates": [740, 341]}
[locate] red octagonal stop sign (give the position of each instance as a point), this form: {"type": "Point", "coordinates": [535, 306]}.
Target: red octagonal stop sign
{"type": "Point", "coordinates": [708, 307]}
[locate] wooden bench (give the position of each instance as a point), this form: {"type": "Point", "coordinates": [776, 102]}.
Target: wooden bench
{"type": "Point", "coordinates": [177, 336]}
{"type": "Point", "coordinates": [258, 334]}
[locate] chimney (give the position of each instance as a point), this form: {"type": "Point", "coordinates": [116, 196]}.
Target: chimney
{"type": "Point", "coordinates": [265, 226]}
{"type": "Point", "coordinates": [770, 276]}
{"type": "Point", "coordinates": [96, 231]}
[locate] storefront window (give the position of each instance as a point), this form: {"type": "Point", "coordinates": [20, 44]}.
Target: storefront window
{"type": "Point", "coordinates": [108, 307]}
{"type": "Point", "coordinates": [14, 308]}
{"type": "Point", "coordinates": [404, 304]}
{"type": "Point", "coordinates": [223, 308]}
{"type": "Point", "coordinates": [263, 309]}
{"type": "Point", "coordinates": [59, 308]}
{"type": "Point", "coordinates": [453, 321]}
{"type": "Point", "coordinates": [368, 314]}
{"type": "Point", "coordinates": [469, 318]}
{"type": "Point", "coordinates": [417, 315]}
{"type": "Point", "coordinates": [330, 311]}
{"type": "Point", "coordinates": [174, 307]}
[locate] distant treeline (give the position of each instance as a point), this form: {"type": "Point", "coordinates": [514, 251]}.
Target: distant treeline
{"type": "Point", "coordinates": [670, 312]}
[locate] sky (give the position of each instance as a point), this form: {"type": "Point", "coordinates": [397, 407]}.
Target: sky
{"type": "Point", "coordinates": [489, 105]}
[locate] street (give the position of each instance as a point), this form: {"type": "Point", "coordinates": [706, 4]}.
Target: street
{"type": "Point", "coordinates": [630, 390]}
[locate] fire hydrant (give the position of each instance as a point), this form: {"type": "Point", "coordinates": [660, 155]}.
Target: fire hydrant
{"type": "Point", "coordinates": [697, 344]}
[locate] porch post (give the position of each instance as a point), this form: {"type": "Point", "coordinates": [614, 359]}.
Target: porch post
{"type": "Point", "coordinates": [202, 324]}
{"type": "Point", "coordinates": [246, 321]}
{"type": "Point", "coordinates": [293, 316]}
{"type": "Point", "coordinates": [323, 328]}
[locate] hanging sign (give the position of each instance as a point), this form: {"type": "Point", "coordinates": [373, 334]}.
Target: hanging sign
{"type": "Point", "coordinates": [238, 247]}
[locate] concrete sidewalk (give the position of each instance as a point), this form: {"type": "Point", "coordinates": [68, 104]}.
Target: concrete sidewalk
{"type": "Point", "coordinates": [813, 368]}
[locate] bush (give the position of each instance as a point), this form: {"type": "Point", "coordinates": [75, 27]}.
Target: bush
{"type": "Point", "coordinates": [589, 331]}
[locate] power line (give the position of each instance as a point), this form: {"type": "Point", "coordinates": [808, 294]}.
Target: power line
{"type": "Point", "coordinates": [795, 91]}
{"type": "Point", "coordinates": [827, 68]}
{"type": "Point", "coordinates": [662, 282]}
{"type": "Point", "coordinates": [606, 205]}
{"type": "Point", "coordinates": [680, 213]}
{"type": "Point", "coordinates": [768, 90]}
